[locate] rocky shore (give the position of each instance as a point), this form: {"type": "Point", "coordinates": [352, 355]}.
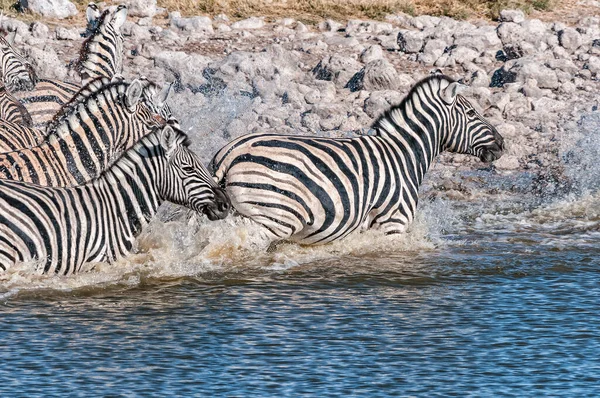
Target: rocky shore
{"type": "Point", "coordinates": [533, 80]}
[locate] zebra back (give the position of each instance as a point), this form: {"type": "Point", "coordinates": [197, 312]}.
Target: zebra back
{"type": "Point", "coordinates": [12, 110]}
{"type": "Point", "coordinates": [17, 72]}
{"type": "Point", "coordinates": [14, 136]}
{"type": "Point", "coordinates": [60, 229]}
{"type": "Point", "coordinates": [46, 99]}
{"type": "Point", "coordinates": [86, 137]}
{"type": "Point", "coordinates": [315, 190]}
{"type": "Point", "coordinates": [102, 52]}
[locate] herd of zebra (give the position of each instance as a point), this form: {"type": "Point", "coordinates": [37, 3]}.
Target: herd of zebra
{"type": "Point", "coordinates": [84, 167]}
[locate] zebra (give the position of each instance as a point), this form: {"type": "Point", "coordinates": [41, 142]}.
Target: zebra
{"type": "Point", "coordinates": [17, 72]}
{"type": "Point", "coordinates": [87, 135]}
{"type": "Point", "coordinates": [101, 56]}
{"type": "Point", "coordinates": [102, 52]}
{"type": "Point", "coordinates": [12, 110]}
{"type": "Point", "coordinates": [314, 190]}
{"type": "Point", "coordinates": [61, 228]}
{"type": "Point", "coordinates": [15, 136]}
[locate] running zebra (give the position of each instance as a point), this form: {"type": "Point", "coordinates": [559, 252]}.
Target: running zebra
{"type": "Point", "coordinates": [12, 110]}
{"type": "Point", "coordinates": [17, 72]}
{"type": "Point", "coordinates": [101, 56]}
{"type": "Point", "coordinates": [88, 133]}
{"type": "Point", "coordinates": [315, 190]}
{"type": "Point", "coordinates": [60, 229]}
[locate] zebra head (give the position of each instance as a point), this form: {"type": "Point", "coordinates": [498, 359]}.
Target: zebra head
{"type": "Point", "coordinates": [469, 133]}
{"type": "Point", "coordinates": [187, 182]}
{"type": "Point", "coordinates": [102, 51]}
{"type": "Point", "coordinates": [17, 72]}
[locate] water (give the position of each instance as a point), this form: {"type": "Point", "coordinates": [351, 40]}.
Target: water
{"type": "Point", "coordinates": [485, 297]}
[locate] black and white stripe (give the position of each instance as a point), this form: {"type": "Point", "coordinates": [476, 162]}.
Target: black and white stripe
{"type": "Point", "coordinates": [17, 72]}
{"type": "Point", "coordinates": [60, 229]}
{"type": "Point", "coordinates": [102, 52]}
{"type": "Point", "coordinates": [87, 135]}
{"type": "Point", "coordinates": [12, 110]}
{"type": "Point", "coordinates": [101, 56]}
{"type": "Point", "coordinates": [316, 190]}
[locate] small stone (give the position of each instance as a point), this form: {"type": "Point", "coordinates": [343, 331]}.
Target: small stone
{"type": "Point", "coordinates": [570, 39]}
{"type": "Point", "coordinates": [516, 16]}
{"type": "Point", "coordinates": [371, 53]}
{"type": "Point", "coordinates": [194, 24]}
{"type": "Point", "coordinates": [141, 8]}
{"type": "Point", "coordinates": [39, 30]}
{"type": "Point", "coordinates": [330, 26]}
{"type": "Point", "coordinates": [50, 8]}
{"type": "Point", "coordinates": [411, 41]}
{"type": "Point", "coordinates": [432, 51]}
{"type": "Point", "coordinates": [67, 34]}
{"type": "Point", "coordinates": [249, 23]}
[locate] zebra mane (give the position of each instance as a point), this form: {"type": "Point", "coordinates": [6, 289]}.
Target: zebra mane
{"type": "Point", "coordinates": [85, 47]}
{"type": "Point", "coordinates": [387, 115]}
{"type": "Point", "coordinates": [127, 159]}
{"type": "Point", "coordinates": [86, 92]}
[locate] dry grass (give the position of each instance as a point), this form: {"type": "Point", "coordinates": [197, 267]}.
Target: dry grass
{"type": "Point", "coordinates": [316, 10]}
{"type": "Point", "coordinates": [313, 11]}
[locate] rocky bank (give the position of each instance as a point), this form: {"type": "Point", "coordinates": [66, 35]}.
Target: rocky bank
{"type": "Point", "coordinates": [533, 80]}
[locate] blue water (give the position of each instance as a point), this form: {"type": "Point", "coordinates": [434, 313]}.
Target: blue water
{"type": "Point", "coordinates": [492, 312]}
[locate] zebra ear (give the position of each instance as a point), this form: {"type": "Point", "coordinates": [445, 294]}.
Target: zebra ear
{"type": "Point", "coordinates": [133, 93]}
{"type": "Point", "coordinates": [164, 94]}
{"type": "Point", "coordinates": [92, 13]}
{"type": "Point", "coordinates": [120, 16]}
{"type": "Point", "coordinates": [11, 37]}
{"type": "Point", "coordinates": [168, 139]}
{"type": "Point", "coordinates": [451, 91]}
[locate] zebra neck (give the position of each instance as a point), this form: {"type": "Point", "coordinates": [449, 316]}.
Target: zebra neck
{"type": "Point", "coordinates": [134, 190]}
{"type": "Point", "coordinates": [415, 143]}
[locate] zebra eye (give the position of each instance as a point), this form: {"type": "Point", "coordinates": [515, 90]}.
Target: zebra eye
{"type": "Point", "coordinates": [471, 113]}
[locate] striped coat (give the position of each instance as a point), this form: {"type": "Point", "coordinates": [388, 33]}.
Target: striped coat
{"type": "Point", "coordinates": [316, 190]}
{"type": "Point", "coordinates": [60, 229]}
{"type": "Point", "coordinates": [101, 56]}
{"type": "Point", "coordinates": [17, 72]}
{"type": "Point", "coordinates": [86, 135]}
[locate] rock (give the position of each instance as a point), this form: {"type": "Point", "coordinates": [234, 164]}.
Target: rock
{"type": "Point", "coordinates": [548, 105]}
{"type": "Point", "coordinates": [516, 16]}
{"type": "Point", "coordinates": [525, 68]}
{"type": "Point", "coordinates": [50, 8]}
{"type": "Point", "coordinates": [507, 162]}
{"type": "Point", "coordinates": [530, 89]}
{"type": "Point", "coordinates": [463, 55]}
{"type": "Point", "coordinates": [141, 8]}
{"type": "Point", "coordinates": [432, 51]}
{"type": "Point", "coordinates": [330, 26]}
{"type": "Point", "coordinates": [371, 53]}
{"type": "Point", "coordinates": [67, 34]}
{"type": "Point", "coordinates": [480, 39]}
{"type": "Point", "coordinates": [337, 68]}
{"type": "Point", "coordinates": [249, 24]}
{"type": "Point", "coordinates": [593, 65]}
{"type": "Point", "coordinates": [570, 39]}
{"type": "Point", "coordinates": [39, 30]}
{"type": "Point", "coordinates": [354, 27]}
{"type": "Point", "coordinates": [425, 22]}
{"type": "Point", "coordinates": [14, 25]}
{"type": "Point", "coordinates": [480, 79]}
{"type": "Point", "coordinates": [511, 33]}
{"type": "Point", "coordinates": [376, 75]}
{"type": "Point", "coordinates": [194, 24]}
{"type": "Point", "coordinates": [410, 41]}
{"type": "Point", "coordinates": [46, 63]}
{"type": "Point", "coordinates": [535, 30]}
{"type": "Point", "coordinates": [186, 69]}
